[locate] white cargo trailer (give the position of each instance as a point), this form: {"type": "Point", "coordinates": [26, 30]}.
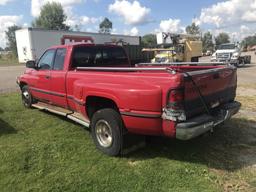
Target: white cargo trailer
{"type": "Point", "coordinates": [32, 42]}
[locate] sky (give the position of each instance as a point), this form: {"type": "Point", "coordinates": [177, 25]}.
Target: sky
{"type": "Point", "coordinates": [139, 17]}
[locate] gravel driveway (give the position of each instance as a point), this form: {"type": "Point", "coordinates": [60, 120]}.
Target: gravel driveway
{"type": "Point", "coordinates": [8, 78]}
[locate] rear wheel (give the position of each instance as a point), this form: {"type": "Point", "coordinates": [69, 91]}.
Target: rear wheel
{"type": "Point", "coordinates": [107, 131]}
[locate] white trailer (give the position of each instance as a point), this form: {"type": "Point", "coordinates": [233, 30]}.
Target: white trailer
{"type": "Point", "coordinates": [32, 42]}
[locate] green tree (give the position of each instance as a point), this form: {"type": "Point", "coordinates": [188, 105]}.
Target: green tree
{"type": "Point", "coordinates": [11, 40]}
{"type": "Point", "coordinates": [149, 40]}
{"type": "Point", "coordinates": [249, 41]}
{"type": "Point", "coordinates": [207, 42]}
{"type": "Point", "coordinates": [6, 49]}
{"type": "Point", "coordinates": [52, 16]}
{"type": "Point", "coordinates": [1, 49]}
{"type": "Point", "coordinates": [193, 29]}
{"type": "Point", "coordinates": [105, 26]}
{"type": "Point", "coordinates": [222, 38]}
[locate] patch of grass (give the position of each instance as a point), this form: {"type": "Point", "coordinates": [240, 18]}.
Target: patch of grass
{"type": "Point", "coordinates": [8, 60]}
{"type": "Point", "coordinates": [248, 102]}
{"type": "Point", "coordinates": [43, 152]}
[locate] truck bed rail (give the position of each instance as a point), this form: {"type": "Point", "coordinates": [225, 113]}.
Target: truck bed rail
{"type": "Point", "coordinates": [151, 66]}
{"type": "Point", "coordinates": [124, 69]}
{"type": "Point", "coordinates": [182, 63]}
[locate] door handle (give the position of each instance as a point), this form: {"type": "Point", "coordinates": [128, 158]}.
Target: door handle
{"type": "Point", "coordinates": [47, 77]}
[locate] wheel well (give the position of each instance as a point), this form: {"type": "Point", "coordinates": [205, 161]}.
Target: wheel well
{"type": "Point", "coordinates": [94, 103]}
{"type": "Point", "coordinates": [22, 84]}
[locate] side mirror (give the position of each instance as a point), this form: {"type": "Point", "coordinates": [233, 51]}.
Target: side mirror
{"type": "Point", "coordinates": [31, 64]}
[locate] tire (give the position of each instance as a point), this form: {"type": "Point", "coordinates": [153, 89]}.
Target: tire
{"type": "Point", "coordinates": [195, 59]}
{"type": "Point", "coordinates": [26, 97]}
{"type": "Point", "coordinates": [107, 131]}
{"type": "Point", "coordinates": [241, 64]}
{"type": "Point", "coordinates": [249, 60]}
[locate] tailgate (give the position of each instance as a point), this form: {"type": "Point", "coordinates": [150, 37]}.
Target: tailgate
{"type": "Point", "coordinates": [216, 86]}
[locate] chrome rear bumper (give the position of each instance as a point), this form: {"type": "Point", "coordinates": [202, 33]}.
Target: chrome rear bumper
{"type": "Point", "coordinates": [204, 123]}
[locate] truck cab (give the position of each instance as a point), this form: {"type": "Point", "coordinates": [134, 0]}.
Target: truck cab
{"type": "Point", "coordinates": [231, 53]}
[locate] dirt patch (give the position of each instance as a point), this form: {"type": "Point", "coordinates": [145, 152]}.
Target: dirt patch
{"type": "Point", "coordinates": [248, 114]}
{"type": "Point", "coordinates": [248, 104]}
{"type": "Point", "coordinates": [245, 91]}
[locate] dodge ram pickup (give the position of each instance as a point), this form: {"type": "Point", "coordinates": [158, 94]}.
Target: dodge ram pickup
{"type": "Point", "coordinates": [95, 86]}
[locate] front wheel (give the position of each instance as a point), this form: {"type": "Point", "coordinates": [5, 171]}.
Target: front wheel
{"type": "Point", "coordinates": [26, 97]}
{"type": "Point", "coordinates": [107, 131]}
{"type": "Point", "coordinates": [241, 63]}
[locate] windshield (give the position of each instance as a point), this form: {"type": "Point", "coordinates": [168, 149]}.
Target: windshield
{"type": "Point", "coordinates": [161, 59]}
{"type": "Point", "coordinates": [227, 46]}
{"type": "Point", "coordinates": [165, 52]}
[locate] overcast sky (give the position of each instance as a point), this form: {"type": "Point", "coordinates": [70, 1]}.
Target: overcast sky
{"type": "Point", "coordinates": [237, 17]}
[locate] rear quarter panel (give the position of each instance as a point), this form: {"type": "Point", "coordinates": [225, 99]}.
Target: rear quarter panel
{"type": "Point", "coordinates": [133, 93]}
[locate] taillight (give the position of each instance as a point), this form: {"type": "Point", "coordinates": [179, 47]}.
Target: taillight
{"type": "Point", "coordinates": [175, 98]}
{"type": "Point", "coordinates": [175, 105]}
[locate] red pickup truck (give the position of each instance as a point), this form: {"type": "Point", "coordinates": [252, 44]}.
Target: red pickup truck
{"type": "Point", "coordinates": [95, 85]}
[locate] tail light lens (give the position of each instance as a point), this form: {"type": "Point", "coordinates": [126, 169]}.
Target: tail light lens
{"type": "Point", "coordinates": [175, 99]}
{"type": "Point", "coordinates": [174, 110]}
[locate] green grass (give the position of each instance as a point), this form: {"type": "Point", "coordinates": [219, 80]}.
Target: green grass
{"type": "Point", "coordinates": [8, 60]}
{"type": "Point", "coordinates": [43, 152]}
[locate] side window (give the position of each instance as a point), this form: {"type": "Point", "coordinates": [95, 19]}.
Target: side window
{"type": "Point", "coordinates": [59, 59]}
{"type": "Point", "coordinates": [46, 61]}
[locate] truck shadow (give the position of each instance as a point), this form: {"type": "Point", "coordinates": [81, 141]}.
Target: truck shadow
{"type": "Point", "coordinates": [232, 146]}
{"type": "Point", "coordinates": [5, 128]}
{"type": "Point", "coordinates": [247, 66]}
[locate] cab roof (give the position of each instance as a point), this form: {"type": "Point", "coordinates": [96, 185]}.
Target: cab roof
{"type": "Point", "coordinates": [82, 44]}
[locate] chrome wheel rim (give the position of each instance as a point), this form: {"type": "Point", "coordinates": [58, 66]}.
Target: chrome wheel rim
{"type": "Point", "coordinates": [26, 94]}
{"type": "Point", "coordinates": [25, 97]}
{"type": "Point", "coordinates": [104, 133]}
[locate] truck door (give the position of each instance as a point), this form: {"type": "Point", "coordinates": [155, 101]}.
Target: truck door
{"type": "Point", "coordinates": [58, 79]}
{"type": "Point", "coordinates": [40, 88]}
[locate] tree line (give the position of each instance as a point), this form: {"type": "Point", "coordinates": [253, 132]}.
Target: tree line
{"type": "Point", "coordinates": [52, 17]}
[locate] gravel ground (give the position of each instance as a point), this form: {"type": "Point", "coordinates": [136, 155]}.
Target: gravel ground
{"type": "Point", "coordinates": [246, 74]}
{"type": "Point", "coordinates": [8, 78]}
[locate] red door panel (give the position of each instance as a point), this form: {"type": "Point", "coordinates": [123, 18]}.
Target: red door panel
{"type": "Point", "coordinates": [58, 79]}
{"type": "Point", "coordinates": [41, 88]}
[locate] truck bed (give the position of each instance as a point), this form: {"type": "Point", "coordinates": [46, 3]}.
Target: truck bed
{"type": "Point", "coordinates": [205, 87]}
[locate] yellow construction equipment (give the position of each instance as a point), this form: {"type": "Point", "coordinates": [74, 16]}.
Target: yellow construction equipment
{"type": "Point", "coordinates": [176, 48]}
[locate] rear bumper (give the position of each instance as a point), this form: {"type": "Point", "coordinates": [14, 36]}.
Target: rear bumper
{"type": "Point", "coordinates": [204, 123]}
